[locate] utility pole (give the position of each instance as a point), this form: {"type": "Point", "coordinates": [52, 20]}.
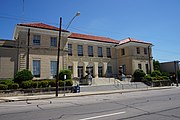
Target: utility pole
{"type": "Point", "coordinates": [57, 72]}
{"type": "Point", "coordinates": [175, 68]}
{"type": "Point", "coordinates": [27, 59]}
{"type": "Point", "coordinates": [149, 57]}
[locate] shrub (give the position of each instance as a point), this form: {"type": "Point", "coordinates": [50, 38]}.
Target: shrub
{"type": "Point", "coordinates": [44, 83]}
{"type": "Point", "coordinates": [65, 72]}
{"type": "Point", "coordinates": [6, 82]}
{"type": "Point", "coordinates": [13, 86]}
{"type": "Point", "coordinates": [61, 83]}
{"type": "Point", "coordinates": [69, 82]}
{"type": "Point", "coordinates": [26, 84]}
{"type": "Point", "coordinates": [165, 78]}
{"type": "Point", "coordinates": [23, 75]}
{"type": "Point", "coordinates": [148, 78]}
{"type": "Point", "coordinates": [52, 83]}
{"type": "Point", "coordinates": [34, 84]}
{"type": "Point", "coordinates": [165, 74]}
{"type": "Point", "coordinates": [138, 75]}
{"type": "Point", "coordinates": [156, 73]}
{"type": "Point", "coordinates": [3, 87]}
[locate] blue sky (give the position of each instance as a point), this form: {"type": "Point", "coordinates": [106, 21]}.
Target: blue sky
{"type": "Point", "coordinates": [155, 21]}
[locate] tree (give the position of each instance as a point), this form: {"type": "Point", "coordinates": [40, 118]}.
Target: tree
{"type": "Point", "coordinates": [65, 72]}
{"type": "Point", "coordinates": [23, 75]}
{"type": "Point", "coordinates": [156, 65]}
{"type": "Point", "coordinates": [138, 75]}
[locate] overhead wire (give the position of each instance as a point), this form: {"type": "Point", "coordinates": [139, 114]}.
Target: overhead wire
{"type": "Point", "coordinates": [76, 28]}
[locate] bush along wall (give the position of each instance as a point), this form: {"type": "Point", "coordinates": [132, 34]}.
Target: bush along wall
{"type": "Point", "coordinates": [23, 80]}
{"type": "Point", "coordinates": [157, 79]}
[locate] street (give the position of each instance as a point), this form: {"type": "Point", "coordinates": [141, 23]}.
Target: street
{"type": "Point", "coordinates": [143, 105]}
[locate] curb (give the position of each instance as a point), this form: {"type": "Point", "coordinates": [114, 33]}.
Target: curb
{"type": "Point", "coordinates": [43, 97]}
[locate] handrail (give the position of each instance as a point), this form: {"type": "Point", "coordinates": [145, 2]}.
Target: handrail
{"type": "Point", "coordinates": [118, 83]}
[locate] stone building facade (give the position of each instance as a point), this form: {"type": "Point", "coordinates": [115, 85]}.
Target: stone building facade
{"type": "Point", "coordinates": [35, 48]}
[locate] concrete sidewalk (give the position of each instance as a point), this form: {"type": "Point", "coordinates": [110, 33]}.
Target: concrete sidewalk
{"type": "Point", "coordinates": [51, 96]}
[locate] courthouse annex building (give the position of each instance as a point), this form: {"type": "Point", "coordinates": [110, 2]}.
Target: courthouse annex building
{"type": "Point", "coordinates": [35, 48]}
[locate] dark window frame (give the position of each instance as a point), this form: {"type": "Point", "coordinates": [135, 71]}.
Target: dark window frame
{"type": "Point", "coordinates": [53, 41]}
{"type": "Point", "coordinates": [37, 40]}
{"type": "Point", "coordinates": [100, 52]}
{"type": "Point", "coordinates": [108, 52]}
{"type": "Point", "coordinates": [80, 50]}
{"type": "Point", "coordinates": [70, 49]}
{"type": "Point", "coordinates": [90, 51]}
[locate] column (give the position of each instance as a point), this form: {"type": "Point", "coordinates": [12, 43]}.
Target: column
{"type": "Point", "coordinates": [104, 68]}
{"type": "Point", "coordinates": [84, 68]}
{"type": "Point", "coordinates": [75, 69]}
{"type": "Point", "coordinates": [95, 69]}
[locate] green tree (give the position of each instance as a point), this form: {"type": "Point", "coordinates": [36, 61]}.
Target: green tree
{"type": "Point", "coordinates": [65, 72]}
{"type": "Point", "coordinates": [156, 73]}
{"type": "Point", "coordinates": [138, 75]}
{"type": "Point", "coordinates": [156, 65]}
{"type": "Point", "coordinates": [23, 75]}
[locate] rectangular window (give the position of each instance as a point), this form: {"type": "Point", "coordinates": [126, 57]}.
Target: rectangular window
{"type": "Point", "coordinates": [53, 68]}
{"type": "Point", "coordinates": [90, 51]}
{"type": "Point", "coordinates": [100, 71]}
{"type": "Point", "coordinates": [139, 66]}
{"type": "Point", "coordinates": [70, 68]}
{"type": "Point", "coordinates": [124, 69]}
{"type": "Point", "coordinates": [54, 41]}
{"type": "Point", "coordinates": [36, 39]}
{"type": "Point", "coordinates": [36, 68]}
{"type": "Point", "coordinates": [100, 53]}
{"type": "Point", "coordinates": [123, 51]}
{"type": "Point", "coordinates": [80, 71]}
{"type": "Point", "coordinates": [70, 49]}
{"type": "Point", "coordinates": [80, 50]}
{"type": "Point", "coordinates": [109, 71]}
{"type": "Point", "coordinates": [108, 52]}
{"type": "Point", "coordinates": [147, 69]}
{"type": "Point", "coordinates": [145, 51]}
{"type": "Point", "coordinates": [138, 50]}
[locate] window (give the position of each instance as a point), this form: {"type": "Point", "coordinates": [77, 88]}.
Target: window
{"type": "Point", "coordinates": [139, 66]}
{"type": "Point", "coordinates": [100, 71]}
{"type": "Point", "coordinates": [147, 69]}
{"type": "Point", "coordinates": [80, 71]}
{"type": "Point", "coordinates": [145, 51]}
{"type": "Point", "coordinates": [124, 69]}
{"type": "Point", "coordinates": [36, 68]}
{"type": "Point", "coordinates": [108, 52]}
{"type": "Point", "coordinates": [69, 49]}
{"type": "Point", "coordinates": [70, 68]}
{"type": "Point", "coordinates": [54, 41]}
{"type": "Point", "coordinates": [90, 51]}
{"type": "Point", "coordinates": [53, 68]}
{"type": "Point", "coordinates": [100, 54]}
{"type": "Point", "coordinates": [80, 50]}
{"type": "Point", "coordinates": [109, 71]}
{"type": "Point", "coordinates": [36, 39]}
{"type": "Point", "coordinates": [123, 51]}
{"type": "Point", "coordinates": [138, 50]}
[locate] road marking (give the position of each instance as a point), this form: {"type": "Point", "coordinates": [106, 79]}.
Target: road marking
{"type": "Point", "coordinates": [100, 116]}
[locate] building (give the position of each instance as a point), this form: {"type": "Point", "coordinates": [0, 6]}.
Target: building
{"type": "Point", "coordinates": [169, 67]}
{"type": "Point", "coordinates": [35, 48]}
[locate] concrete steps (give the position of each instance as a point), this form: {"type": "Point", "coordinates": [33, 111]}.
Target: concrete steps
{"type": "Point", "coordinates": [107, 84]}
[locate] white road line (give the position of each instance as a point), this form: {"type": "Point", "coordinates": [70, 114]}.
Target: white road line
{"type": "Point", "coordinates": [100, 116]}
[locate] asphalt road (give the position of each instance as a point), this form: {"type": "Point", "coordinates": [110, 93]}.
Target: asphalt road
{"type": "Point", "coordinates": [144, 105]}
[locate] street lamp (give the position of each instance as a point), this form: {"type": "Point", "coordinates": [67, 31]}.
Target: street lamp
{"type": "Point", "coordinates": [77, 14]}
{"type": "Point", "coordinates": [60, 26]}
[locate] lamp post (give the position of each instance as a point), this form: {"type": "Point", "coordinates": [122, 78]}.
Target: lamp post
{"type": "Point", "coordinates": [77, 14]}
{"type": "Point", "coordinates": [176, 64]}
{"type": "Point", "coordinates": [57, 71]}
{"type": "Point", "coordinates": [60, 29]}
